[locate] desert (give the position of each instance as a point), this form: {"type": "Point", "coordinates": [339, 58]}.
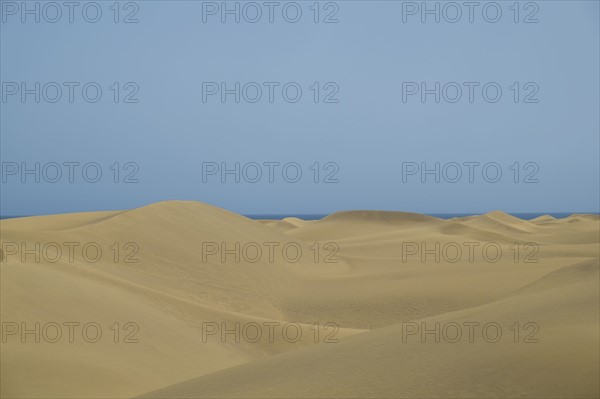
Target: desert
{"type": "Point", "coordinates": [183, 299]}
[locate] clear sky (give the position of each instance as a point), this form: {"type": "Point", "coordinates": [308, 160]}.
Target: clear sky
{"type": "Point", "coordinates": [361, 116]}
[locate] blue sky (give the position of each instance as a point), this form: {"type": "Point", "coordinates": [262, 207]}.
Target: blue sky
{"type": "Point", "coordinates": [169, 133]}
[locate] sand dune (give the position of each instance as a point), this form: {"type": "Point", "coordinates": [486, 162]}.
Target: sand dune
{"type": "Point", "coordinates": [564, 363]}
{"type": "Point", "coordinates": [178, 270]}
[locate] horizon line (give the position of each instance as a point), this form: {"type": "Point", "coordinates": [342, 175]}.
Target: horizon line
{"type": "Point", "coordinates": [318, 215]}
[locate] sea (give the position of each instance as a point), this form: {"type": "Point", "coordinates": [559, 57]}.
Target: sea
{"type": "Point", "coordinates": [318, 216]}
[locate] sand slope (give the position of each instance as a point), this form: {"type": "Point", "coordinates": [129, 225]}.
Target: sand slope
{"type": "Point", "coordinates": [370, 273]}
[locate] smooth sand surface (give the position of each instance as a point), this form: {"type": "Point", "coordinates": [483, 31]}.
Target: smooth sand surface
{"type": "Point", "coordinates": [362, 271]}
